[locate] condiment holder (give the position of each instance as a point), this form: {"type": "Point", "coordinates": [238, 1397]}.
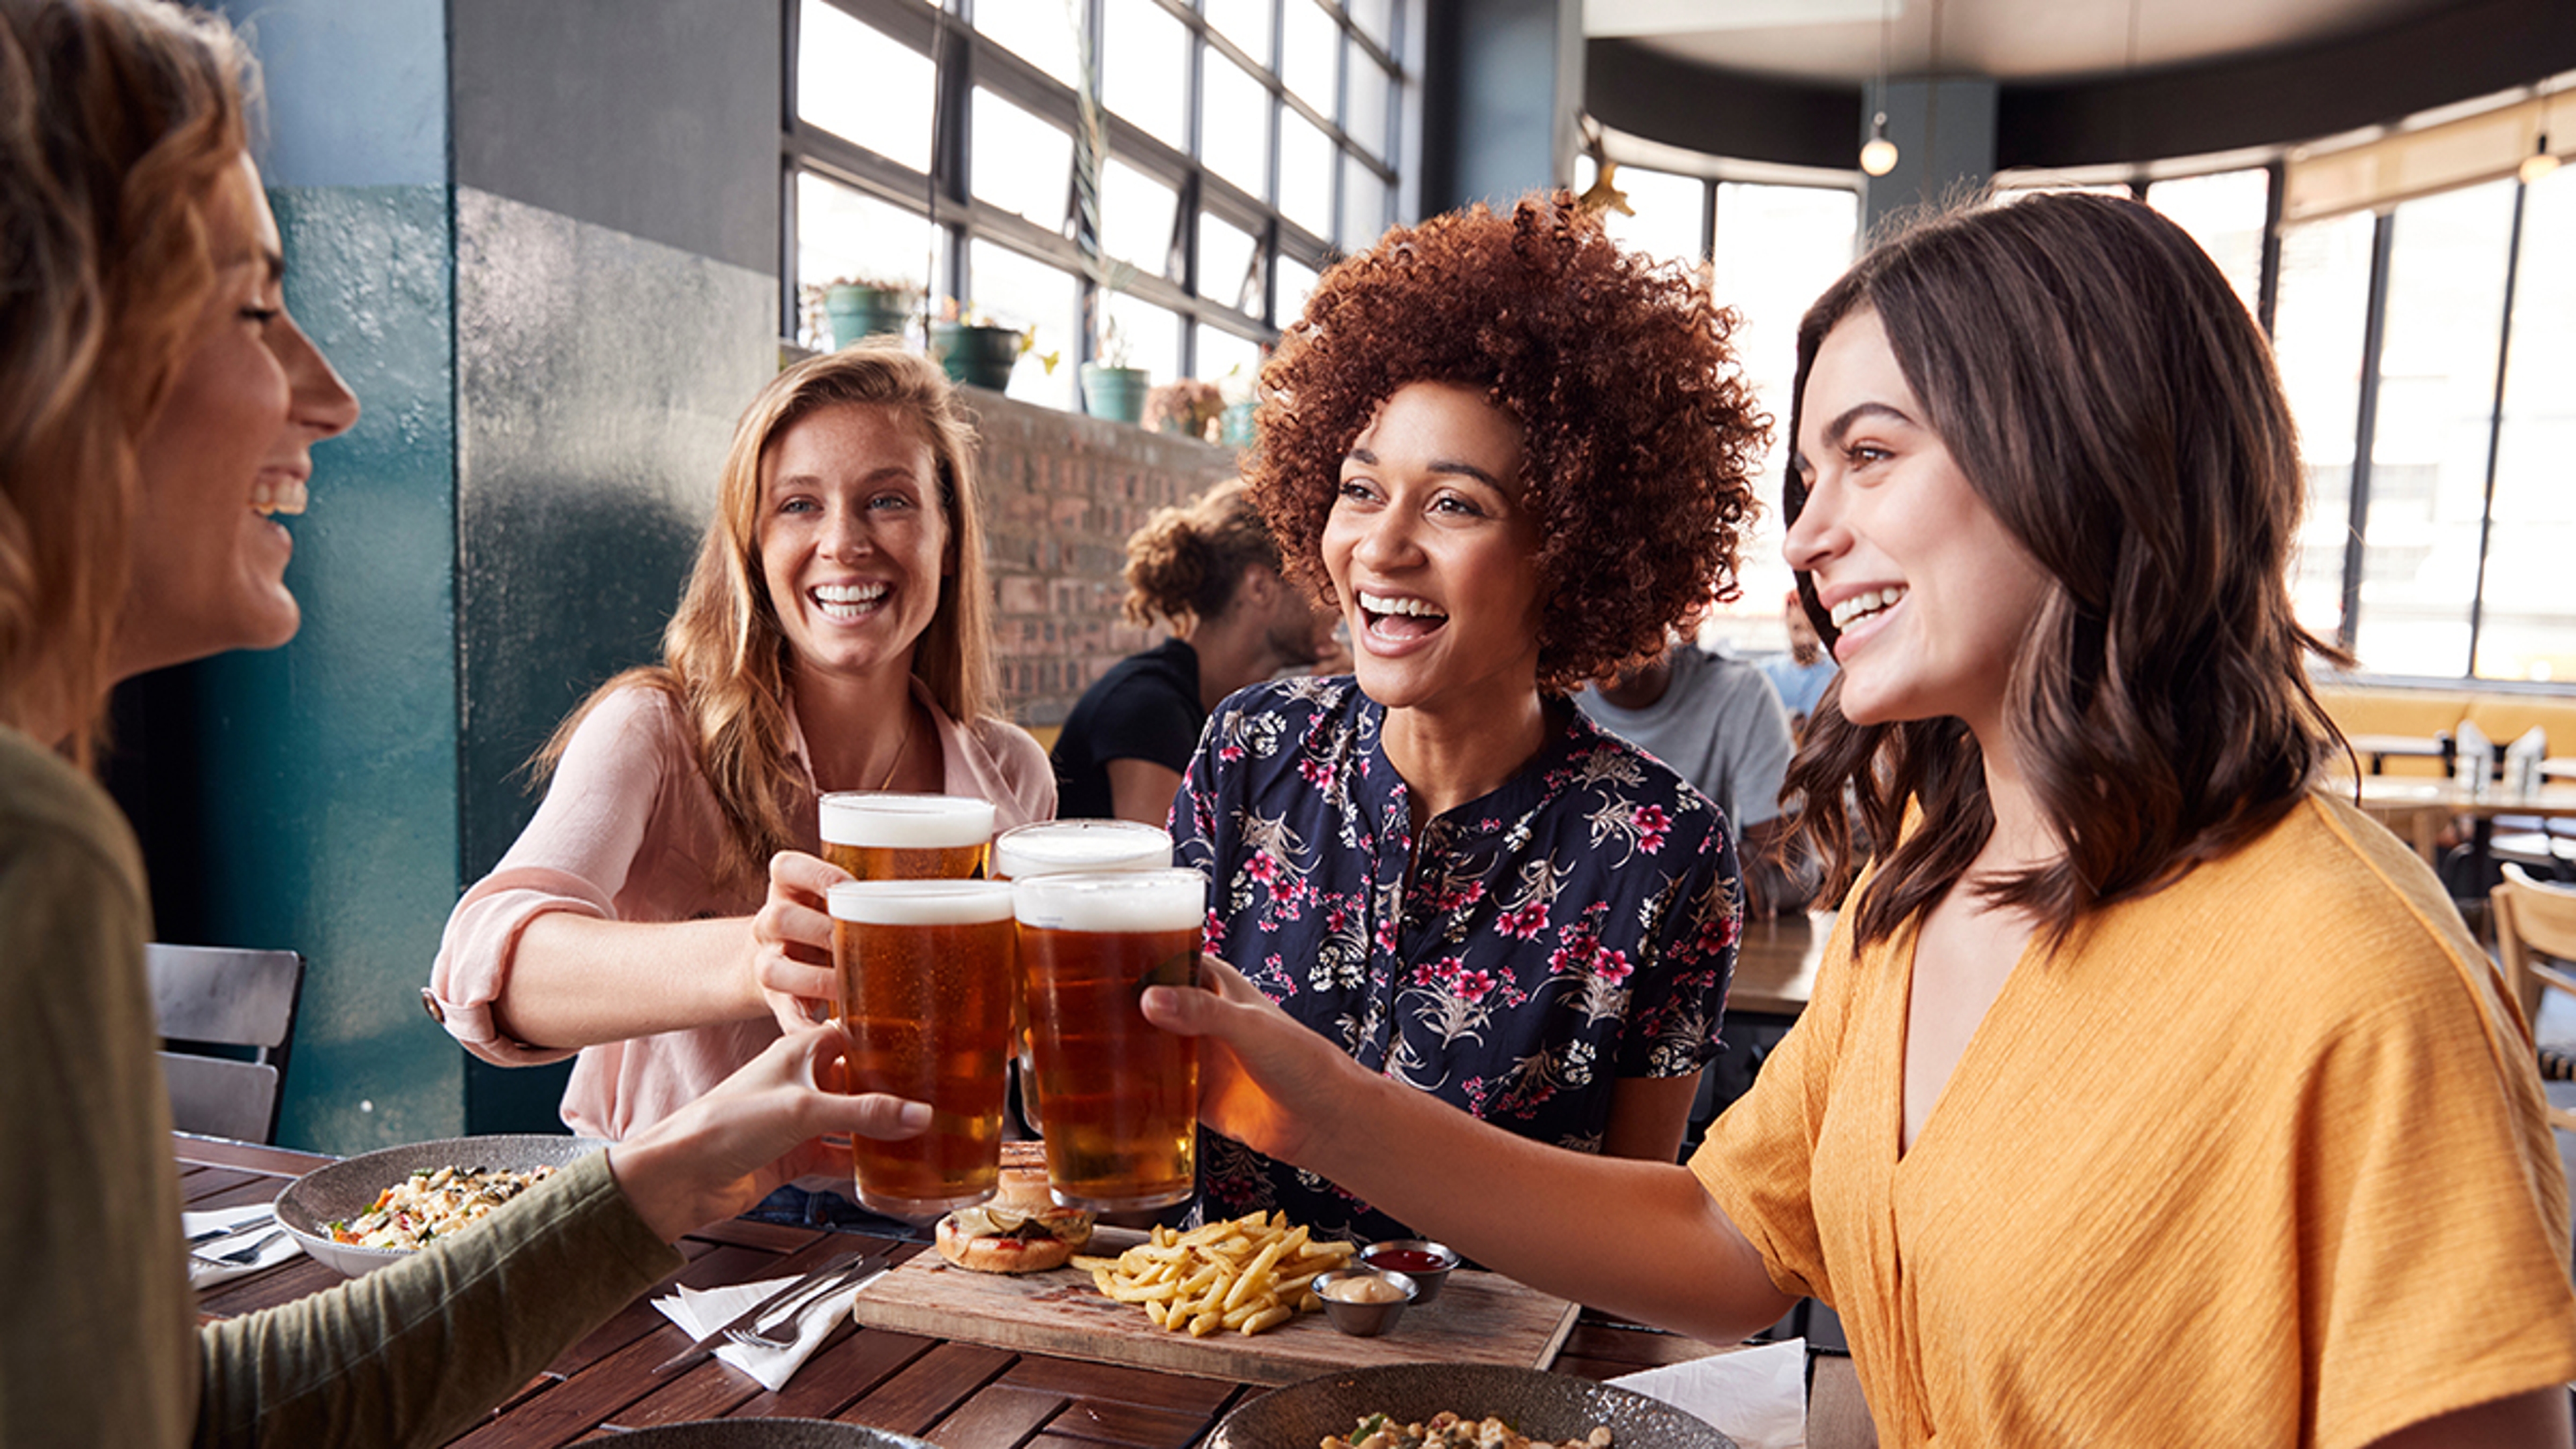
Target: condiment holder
{"type": "Point", "coordinates": [1364, 1319]}
{"type": "Point", "coordinates": [1427, 1263]}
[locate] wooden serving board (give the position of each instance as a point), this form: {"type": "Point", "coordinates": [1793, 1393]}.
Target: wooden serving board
{"type": "Point", "coordinates": [1479, 1318]}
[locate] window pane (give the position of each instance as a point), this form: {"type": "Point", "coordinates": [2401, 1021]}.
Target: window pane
{"type": "Point", "coordinates": [1308, 43]}
{"type": "Point", "coordinates": [1234, 125]}
{"type": "Point", "coordinates": [1366, 100]}
{"type": "Point", "coordinates": [1296, 282]}
{"type": "Point", "coordinates": [1305, 174]}
{"type": "Point", "coordinates": [1150, 334]}
{"type": "Point", "coordinates": [845, 233]}
{"type": "Point", "coordinates": [2318, 318]}
{"type": "Point", "coordinates": [1669, 217]}
{"type": "Point", "coordinates": [1363, 204]}
{"type": "Point", "coordinates": [1232, 363]}
{"type": "Point", "coordinates": [1777, 248]}
{"type": "Point", "coordinates": [2224, 213]}
{"type": "Point", "coordinates": [1143, 55]}
{"type": "Point", "coordinates": [1136, 214]}
{"type": "Point", "coordinates": [2529, 628]}
{"type": "Point", "coordinates": [1022, 163]}
{"type": "Point", "coordinates": [2428, 458]}
{"type": "Point", "coordinates": [890, 113]}
{"type": "Point", "coordinates": [1019, 291]}
{"type": "Point", "coordinates": [1376, 17]}
{"type": "Point", "coordinates": [1037, 31]}
{"type": "Point", "coordinates": [1245, 22]}
{"type": "Point", "coordinates": [1225, 264]}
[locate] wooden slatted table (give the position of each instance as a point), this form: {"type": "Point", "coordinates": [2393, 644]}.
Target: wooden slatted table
{"type": "Point", "coordinates": [959, 1395]}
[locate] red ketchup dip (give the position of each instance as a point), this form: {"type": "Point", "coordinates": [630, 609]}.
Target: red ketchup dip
{"type": "Point", "coordinates": [1406, 1260]}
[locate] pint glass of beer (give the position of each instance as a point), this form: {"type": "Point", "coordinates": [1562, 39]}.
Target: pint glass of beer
{"type": "Point", "coordinates": [1059, 847]}
{"type": "Point", "coordinates": [1119, 1096]}
{"type": "Point", "coordinates": [925, 990]}
{"type": "Point", "coordinates": [875, 835]}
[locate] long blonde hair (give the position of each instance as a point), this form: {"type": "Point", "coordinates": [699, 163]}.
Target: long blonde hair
{"type": "Point", "coordinates": [726, 661]}
{"type": "Point", "coordinates": [117, 122]}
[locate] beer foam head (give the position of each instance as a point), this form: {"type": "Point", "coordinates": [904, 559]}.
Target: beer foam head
{"type": "Point", "coordinates": [906, 822]}
{"type": "Point", "coordinates": [1127, 900]}
{"type": "Point", "coordinates": [921, 902]}
{"type": "Point", "coordinates": [1054, 847]}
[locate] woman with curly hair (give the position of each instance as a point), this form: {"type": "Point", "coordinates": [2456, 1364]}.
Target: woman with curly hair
{"type": "Point", "coordinates": [1210, 570]}
{"type": "Point", "coordinates": [663, 913]}
{"type": "Point", "coordinates": [2149, 1093]}
{"type": "Point", "coordinates": [1513, 456]}
{"type": "Point", "coordinates": [158, 411]}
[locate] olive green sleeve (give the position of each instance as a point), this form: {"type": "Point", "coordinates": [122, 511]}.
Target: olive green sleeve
{"type": "Point", "coordinates": [415, 1353]}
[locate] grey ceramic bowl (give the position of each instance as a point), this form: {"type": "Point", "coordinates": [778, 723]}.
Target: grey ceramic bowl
{"type": "Point", "coordinates": [767, 1434]}
{"type": "Point", "coordinates": [1552, 1407]}
{"type": "Point", "coordinates": [1364, 1320]}
{"type": "Point", "coordinates": [345, 1189]}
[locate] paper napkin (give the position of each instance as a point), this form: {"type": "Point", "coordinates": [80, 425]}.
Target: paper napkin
{"type": "Point", "coordinates": [700, 1311]}
{"type": "Point", "coordinates": [245, 1226]}
{"type": "Point", "coordinates": [1755, 1396]}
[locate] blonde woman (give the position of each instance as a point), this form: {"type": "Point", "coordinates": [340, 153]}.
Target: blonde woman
{"type": "Point", "coordinates": [157, 407]}
{"type": "Point", "coordinates": [834, 636]}
{"type": "Point", "coordinates": [1210, 571]}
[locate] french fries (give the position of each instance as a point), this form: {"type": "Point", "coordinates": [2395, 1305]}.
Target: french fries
{"type": "Point", "coordinates": [1247, 1275]}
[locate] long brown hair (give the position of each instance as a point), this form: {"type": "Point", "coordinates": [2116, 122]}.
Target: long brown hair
{"type": "Point", "coordinates": [727, 663]}
{"type": "Point", "coordinates": [117, 122]}
{"type": "Point", "coordinates": [2110, 399]}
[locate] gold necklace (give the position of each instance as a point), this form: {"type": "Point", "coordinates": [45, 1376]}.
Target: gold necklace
{"type": "Point", "coordinates": [901, 744]}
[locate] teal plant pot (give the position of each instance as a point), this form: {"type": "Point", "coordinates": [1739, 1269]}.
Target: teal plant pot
{"type": "Point", "coordinates": [976, 356]}
{"type": "Point", "coordinates": [856, 312]}
{"type": "Point", "coordinates": [1114, 392]}
{"type": "Point", "coordinates": [1235, 429]}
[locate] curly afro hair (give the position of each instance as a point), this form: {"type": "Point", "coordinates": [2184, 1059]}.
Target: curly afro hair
{"type": "Point", "coordinates": [1641, 436]}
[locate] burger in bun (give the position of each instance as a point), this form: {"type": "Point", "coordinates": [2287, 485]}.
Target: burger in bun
{"type": "Point", "coordinates": [1021, 1230]}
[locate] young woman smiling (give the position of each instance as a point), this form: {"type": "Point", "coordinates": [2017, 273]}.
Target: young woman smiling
{"type": "Point", "coordinates": [663, 914]}
{"type": "Point", "coordinates": [157, 406]}
{"type": "Point", "coordinates": [2148, 1094]}
{"type": "Point", "coordinates": [1513, 456]}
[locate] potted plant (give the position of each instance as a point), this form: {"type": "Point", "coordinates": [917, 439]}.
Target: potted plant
{"type": "Point", "coordinates": [1111, 388]}
{"type": "Point", "coordinates": [1188, 407]}
{"type": "Point", "coordinates": [976, 350]}
{"type": "Point", "coordinates": [849, 308]}
{"type": "Point", "coordinates": [1241, 396]}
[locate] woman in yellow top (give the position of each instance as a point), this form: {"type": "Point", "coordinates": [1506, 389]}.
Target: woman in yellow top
{"type": "Point", "coordinates": [2149, 1094]}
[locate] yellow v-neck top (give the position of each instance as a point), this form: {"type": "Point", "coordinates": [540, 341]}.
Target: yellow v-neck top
{"type": "Point", "coordinates": [2257, 1160]}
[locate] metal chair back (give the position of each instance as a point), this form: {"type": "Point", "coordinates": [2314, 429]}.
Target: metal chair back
{"type": "Point", "coordinates": [224, 998]}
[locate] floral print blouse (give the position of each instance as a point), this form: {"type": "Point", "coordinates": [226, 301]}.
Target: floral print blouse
{"type": "Point", "coordinates": [1574, 927]}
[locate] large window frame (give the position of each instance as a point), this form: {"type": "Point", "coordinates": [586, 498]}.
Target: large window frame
{"type": "Point", "coordinates": [965, 59]}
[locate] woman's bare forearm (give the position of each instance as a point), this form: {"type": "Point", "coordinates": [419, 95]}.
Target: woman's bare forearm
{"type": "Point", "coordinates": [577, 981]}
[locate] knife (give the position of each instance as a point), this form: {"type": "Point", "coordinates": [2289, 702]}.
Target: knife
{"type": "Point", "coordinates": [847, 1267]}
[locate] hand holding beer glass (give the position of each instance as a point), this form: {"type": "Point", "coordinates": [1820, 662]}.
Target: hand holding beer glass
{"type": "Point", "coordinates": [1118, 1095]}
{"type": "Point", "coordinates": [925, 972]}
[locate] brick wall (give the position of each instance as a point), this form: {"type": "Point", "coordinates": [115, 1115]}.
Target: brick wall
{"type": "Point", "coordinates": [1061, 494]}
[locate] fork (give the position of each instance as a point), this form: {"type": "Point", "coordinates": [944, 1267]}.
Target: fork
{"type": "Point", "coordinates": [241, 1256]}
{"type": "Point", "coordinates": [782, 1332]}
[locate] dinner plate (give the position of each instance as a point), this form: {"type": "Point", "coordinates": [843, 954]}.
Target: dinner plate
{"type": "Point", "coordinates": [345, 1189]}
{"type": "Point", "coordinates": [767, 1434]}
{"type": "Point", "coordinates": [1555, 1408]}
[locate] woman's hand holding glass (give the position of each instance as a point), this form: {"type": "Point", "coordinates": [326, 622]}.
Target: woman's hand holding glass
{"type": "Point", "coordinates": [1265, 1079]}
{"type": "Point", "coordinates": [791, 938]}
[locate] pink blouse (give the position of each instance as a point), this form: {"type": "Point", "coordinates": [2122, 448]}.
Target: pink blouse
{"type": "Point", "coordinates": [629, 831]}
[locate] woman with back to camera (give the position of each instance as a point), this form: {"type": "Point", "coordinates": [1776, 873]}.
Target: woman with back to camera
{"type": "Point", "coordinates": [1210, 570]}
{"type": "Point", "coordinates": [1514, 456]}
{"type": "Point", "coordinates": [833, 636]}
{"type": "Point", "coordinates": [157, 406]}
{"type": "Point", "coordinates": [2149, 1094]}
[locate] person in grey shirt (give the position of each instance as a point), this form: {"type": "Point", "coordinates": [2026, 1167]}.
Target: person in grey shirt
{"type": "Point", "coordinates": [1717, 721]}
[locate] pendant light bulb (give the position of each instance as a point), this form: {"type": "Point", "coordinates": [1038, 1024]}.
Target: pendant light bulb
{"type": "Point", "coordinates": [2536, 165]}
{"type": "Point", "coordinates": [1878, 156]}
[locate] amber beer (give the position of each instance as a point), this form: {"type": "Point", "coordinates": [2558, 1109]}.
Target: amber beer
{"type": "Point", "coordinates": [1059, 847]}
{"type": "Point", "coordinates": [877, 835]}
{"type": "Point", "coordinates": [925, 989]}
{"type": "Point", "coordinates": [1119, 1095]}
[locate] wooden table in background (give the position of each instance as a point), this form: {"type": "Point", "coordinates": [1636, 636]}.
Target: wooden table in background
{"type": "Point", "coordinates": [1775, 963]}
{"type": "Point", "coordinates": [959, 1395]}
{"type": "Point", "coordinates": [2417, 809]}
